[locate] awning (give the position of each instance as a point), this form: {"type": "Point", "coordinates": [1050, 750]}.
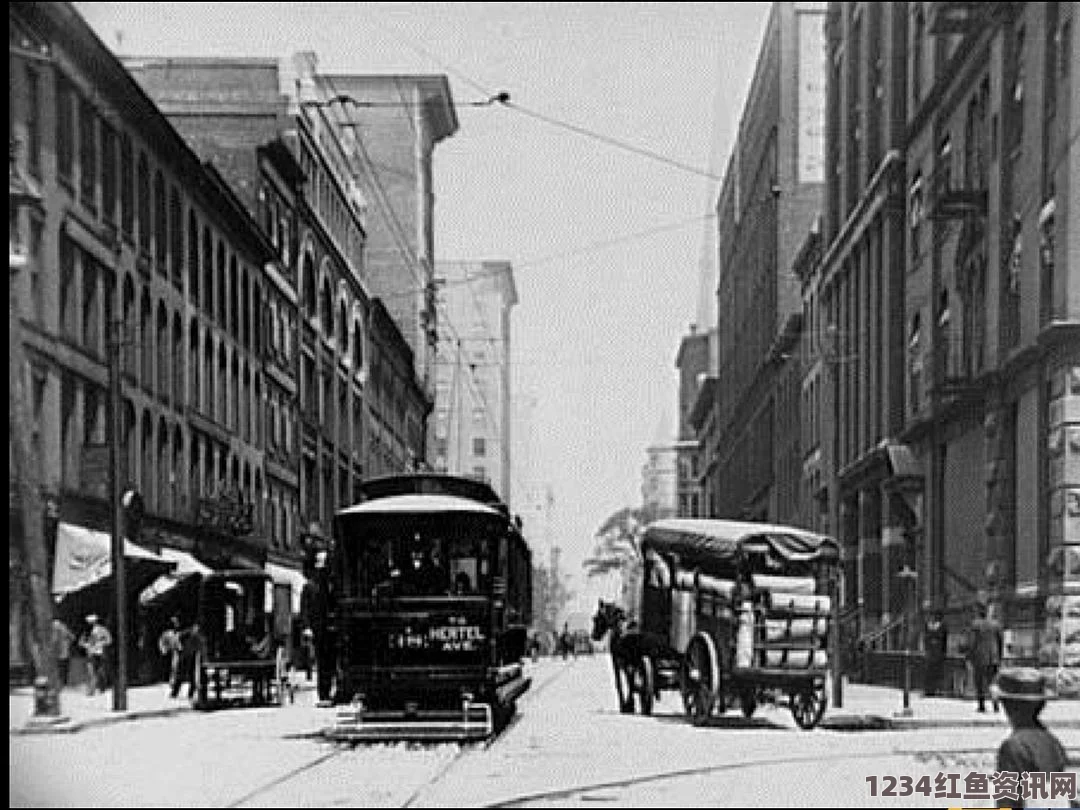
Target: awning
{"type": "Point", "coordinates": [186, 566]}
{"type": "Point", "coordinates": [84, 557]}
{"type": "Point", "coordinates": [288, 576]}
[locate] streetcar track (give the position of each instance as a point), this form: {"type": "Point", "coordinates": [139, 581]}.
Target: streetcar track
{"type": "Point", "coordinates": [280, 780]}
{"type": "Point", "coordinates": [441, 773]}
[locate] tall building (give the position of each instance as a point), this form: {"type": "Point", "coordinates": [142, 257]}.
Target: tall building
{"type": "Point", "coordinates": [695, 361]}
{"type": "Point", "coordinates": [949, 309]}
{"type": "Point", "coordinates": [390, 125]}
{"type": "Point", "coordinates": [470, 431]}
{"type": "Point", "coordinates": [855, 335]}
{"type": "Point", "coordinates": [135, 241]}
{"type": "Point", "coordinates": [769, 196]}
{"type": "Point", "coordinates": [346, 403]}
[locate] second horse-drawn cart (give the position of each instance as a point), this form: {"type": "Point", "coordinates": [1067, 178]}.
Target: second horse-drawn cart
{"type": "Point", "coordinates": [731, 612]}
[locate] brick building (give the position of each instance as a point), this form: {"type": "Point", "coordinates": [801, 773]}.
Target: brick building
{"type": "Point", "coordinates": [134, 228]}
{"type": "Point", "coordinates": [770, 194]}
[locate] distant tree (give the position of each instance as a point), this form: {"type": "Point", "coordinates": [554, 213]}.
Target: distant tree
{"type": "Point", "coordinates": [618, 548]}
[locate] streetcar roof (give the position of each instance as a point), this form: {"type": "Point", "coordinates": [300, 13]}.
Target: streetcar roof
{"type": "Point", "coordinates": [723, 540]}
{"type": "Point", "coordinates": [419, 504]}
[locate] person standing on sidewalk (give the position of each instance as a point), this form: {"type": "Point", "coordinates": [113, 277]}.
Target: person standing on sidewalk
{"type": "Point", "coordinates": [935, 641]}
{"type": "Point", "coordinates": [316, 602]}
{"type": "Point", "coordinates": [96, 642]}
{"type": "Point", "coordinates": [169, 645]}
{"type": "Point", "coordinates": [1030, 748]}
{"type": "Point", "coordinates": [985, 643]}
{"type": "Point", "coordinates": [62, 639]}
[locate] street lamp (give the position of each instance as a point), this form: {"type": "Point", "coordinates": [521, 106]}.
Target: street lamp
{"type": "Point", "coordinates": [21, 194]}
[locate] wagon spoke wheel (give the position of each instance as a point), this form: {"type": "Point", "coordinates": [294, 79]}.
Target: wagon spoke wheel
{"type": "Point", "coordinates": [644, 683]}
{"type": "Point", "coordinates": [808, 706]}
{"type": "Point", "coordinates": [700, 675]}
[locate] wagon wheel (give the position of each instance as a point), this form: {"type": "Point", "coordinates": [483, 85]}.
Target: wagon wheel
{"type": "Point", "coordinates": [700, 678]}
{"type": "Point", "coordinates": [748, 701]}
{"type": "Point", "coordinates": [281, 676]}
{"type": "Point", "coordinates": [808, 706]}
{"type": "Point", "coordinates": [643, 681]}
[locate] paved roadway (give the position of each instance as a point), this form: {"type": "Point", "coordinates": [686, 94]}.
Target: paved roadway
{"type": "Point", "coordinates": [568, 746]}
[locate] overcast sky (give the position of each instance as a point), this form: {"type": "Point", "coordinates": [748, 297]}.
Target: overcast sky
{"type": "Point", "coordinates": [606, 244]}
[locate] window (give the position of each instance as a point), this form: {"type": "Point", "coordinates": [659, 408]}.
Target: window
{"type": "Point", "coordinates": [176, 238]}
{"type": "Point", "coordinates": [915, 213]}
{"type": "Point", "coordinates": [480, 473]}
{"type": "Point", "coordinates": [915, 364]}
{"type": "Point", "coordinates": [160, 224]}
{"type": "Point", "coordinates": [127, 188]}
{"type": "Point", "coordinates": [33, 121]}
{"type": "Point", "coordinates": [87, 155]}
{"type": "Point", "coordinates": [479, 446]}
{"type": "Point", "coordinates": [108, 173]}
{"type": "Point", "coordinates": [68, 293]}
{"type": "Point", "coordinates": [65, 131]}
{"type": "Point", "coordinates": [144, 205]}
{"type": "Point", "coordinates": [36, 272]}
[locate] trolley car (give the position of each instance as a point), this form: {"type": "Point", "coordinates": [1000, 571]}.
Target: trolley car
{"type": "Point", "coordinates": [731, 612]}
{"type": "Point", "coordinates": [432, 584]}
{"type": "Point", "coordinates": [239, 658]}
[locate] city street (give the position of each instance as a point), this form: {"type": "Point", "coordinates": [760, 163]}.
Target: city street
{"type": "Point", "coordinates": [568, 745]}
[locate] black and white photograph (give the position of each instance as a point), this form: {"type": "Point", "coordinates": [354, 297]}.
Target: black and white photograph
{"type": "Point", "coordinates": [497, 404]}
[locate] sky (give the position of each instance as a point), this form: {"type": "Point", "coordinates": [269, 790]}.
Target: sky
{"type": "Point", "coordinates": [607, 243]}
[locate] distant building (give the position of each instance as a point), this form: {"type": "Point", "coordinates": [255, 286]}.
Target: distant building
{"type": "Point", "coordinates": [659, 475]}
{"type": "Point", "coordinates": [695, 362]}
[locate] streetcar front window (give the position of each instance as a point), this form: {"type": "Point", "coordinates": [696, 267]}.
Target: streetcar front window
{"type": "Point", "coordinates": [415, 558]}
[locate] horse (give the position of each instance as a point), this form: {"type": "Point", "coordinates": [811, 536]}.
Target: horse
{"type": "Point", "coordinates": [627, 648]}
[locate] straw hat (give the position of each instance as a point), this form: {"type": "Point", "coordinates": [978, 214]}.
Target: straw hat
{"type": "Point", "coordinates": [1021, 683]}
{"type": "Point", "coordinates": [91, 618]}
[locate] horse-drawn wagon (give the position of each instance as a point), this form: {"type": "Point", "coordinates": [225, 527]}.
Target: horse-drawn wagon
{"type": "Point", "coordinates": [730, 612]}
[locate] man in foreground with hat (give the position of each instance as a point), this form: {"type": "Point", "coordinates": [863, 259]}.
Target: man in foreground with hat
{"type": "Point", "coordinates": [1031, 748]}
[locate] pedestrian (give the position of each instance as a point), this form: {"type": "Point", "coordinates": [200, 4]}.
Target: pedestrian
{"type": "Point", "coordinates": [1030, 748]}
{"type": "Point", "coordinates": [170, 646]}
{"type": "Point", "coordinates": [96, 641]}
{"type": "Point", "coordinates": [985, 643]}
{"type": "Point", "coordinates": [62, 639]}
{"type": "Point", "coordinates": [307, 652]}
{"type": "Point", "coordinates": [316, 602]}
{"type": "Point", "coordinates": [935, 642]}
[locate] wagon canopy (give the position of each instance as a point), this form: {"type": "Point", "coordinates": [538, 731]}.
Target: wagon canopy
{"type": "Point", "coordinates": [719, 545]}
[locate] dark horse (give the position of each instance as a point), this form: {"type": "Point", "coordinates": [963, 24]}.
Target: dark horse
{"type": "Point", "coordinates": [629, 658]}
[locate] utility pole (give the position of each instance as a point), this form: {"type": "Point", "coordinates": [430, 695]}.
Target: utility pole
{"type": "Point", "coordinates": [115, 499]}
{"type": "Point", "coordinates": [31, 507]}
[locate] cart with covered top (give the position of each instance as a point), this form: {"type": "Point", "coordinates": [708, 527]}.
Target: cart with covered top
{"type": "Point", "coordinates": [734, 612]}
{"type": "Point", "coordinates": [238, 656]}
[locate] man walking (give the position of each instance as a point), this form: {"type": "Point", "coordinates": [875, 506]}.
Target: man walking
{"type": "Point", "coordinates": [169, 645]}
{"type": "Point", "coordinates": [96, 643]}
{"type": "Point", "coordinates": [62, 639]}
{"type": "Point", "coordinates": [985, 643]}
{"type": "Point", "coordinates": [935, 641]}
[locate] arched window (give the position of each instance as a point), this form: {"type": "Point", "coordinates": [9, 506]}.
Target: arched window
{"type": "Point", "coordinates": [146, 484]}
{"type": "Point", "coordinates": [357, 347]}
{"type": "Point", "coordinates": [219, 293]}
{"type": "Point", "coordinates": [163, 349]}
{"type": "Point", "coordinates": [256, 409]}
{"type": "Point", "coordinates": [160, 224]}
{"type": "Point", "coordinates": [245, 404]}
{"type": "Point", "coordinates": [257, 340]}
{"type": "Point", "coordinates": [145, 226]}
{"type": "Point", "coordinates": [343, 329]}
{"type": "Point", "coordinates": [234, 394]}
{"type": "Point", "coordinates": [194, 363]}
{"type": "Point", "coordinates": [194, 486]}
{"type": "Point", "coordinates": [176, 238]}
{"type": "Point", "coordinates": [128, 314]}
{"type": "Point", "coordinates": [307, 273]}
{"type": "Point", "coordinates": [245, 311]}
{"type": "Point", "coordinates": [325, 309]}
{"type": "Point", "coordinates": [208, 398]}
{"type": "Point", "coordinates": [222, 385]}
{"type": "Point", "coordinates": [207, 272]}
{"type": "Point", "coordinates": [164, 483]}
{"type": "Point", "coordinates": [234, 299]}
{"type": "Point", "coordinates": [176, 474]}
{"type": "Point", "coordinates": [193, 269]}
{"type": "Point", "coordinates": [179, 369]}
{"type": "Point", "coordinates": [146, 342]}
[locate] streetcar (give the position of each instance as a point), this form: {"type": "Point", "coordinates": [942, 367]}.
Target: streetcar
{"type": "Point", "coordinates": [432, 601]}
{"type": "Point", "coordinates": [732, 614]}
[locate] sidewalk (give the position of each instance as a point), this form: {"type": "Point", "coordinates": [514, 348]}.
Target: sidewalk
{"type": "Point", "coordinates": [79, 710]}
{"type": "Point", "coordinates": [867, 707]}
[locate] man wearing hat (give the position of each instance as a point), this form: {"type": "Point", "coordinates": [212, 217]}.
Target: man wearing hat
{"type": "Point", "coordinates": [1031, 748]}
{"type": "Point", "coordinates": [96, 643]}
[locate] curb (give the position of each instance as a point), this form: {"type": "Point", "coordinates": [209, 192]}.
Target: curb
{"type": "Point", "coordinates": [880, 722]}
{"type": "Point", "coordinates": [68, 726]}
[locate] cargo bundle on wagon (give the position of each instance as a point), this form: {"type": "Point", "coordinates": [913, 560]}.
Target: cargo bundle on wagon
{"type": "Point", "coordinates": [731, 612]}
{"type": "Point", "coordinates": [432, 600]}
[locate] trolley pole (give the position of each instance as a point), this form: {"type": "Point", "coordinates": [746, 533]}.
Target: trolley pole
{"type": "Point", "coordinates": [115, 484]}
